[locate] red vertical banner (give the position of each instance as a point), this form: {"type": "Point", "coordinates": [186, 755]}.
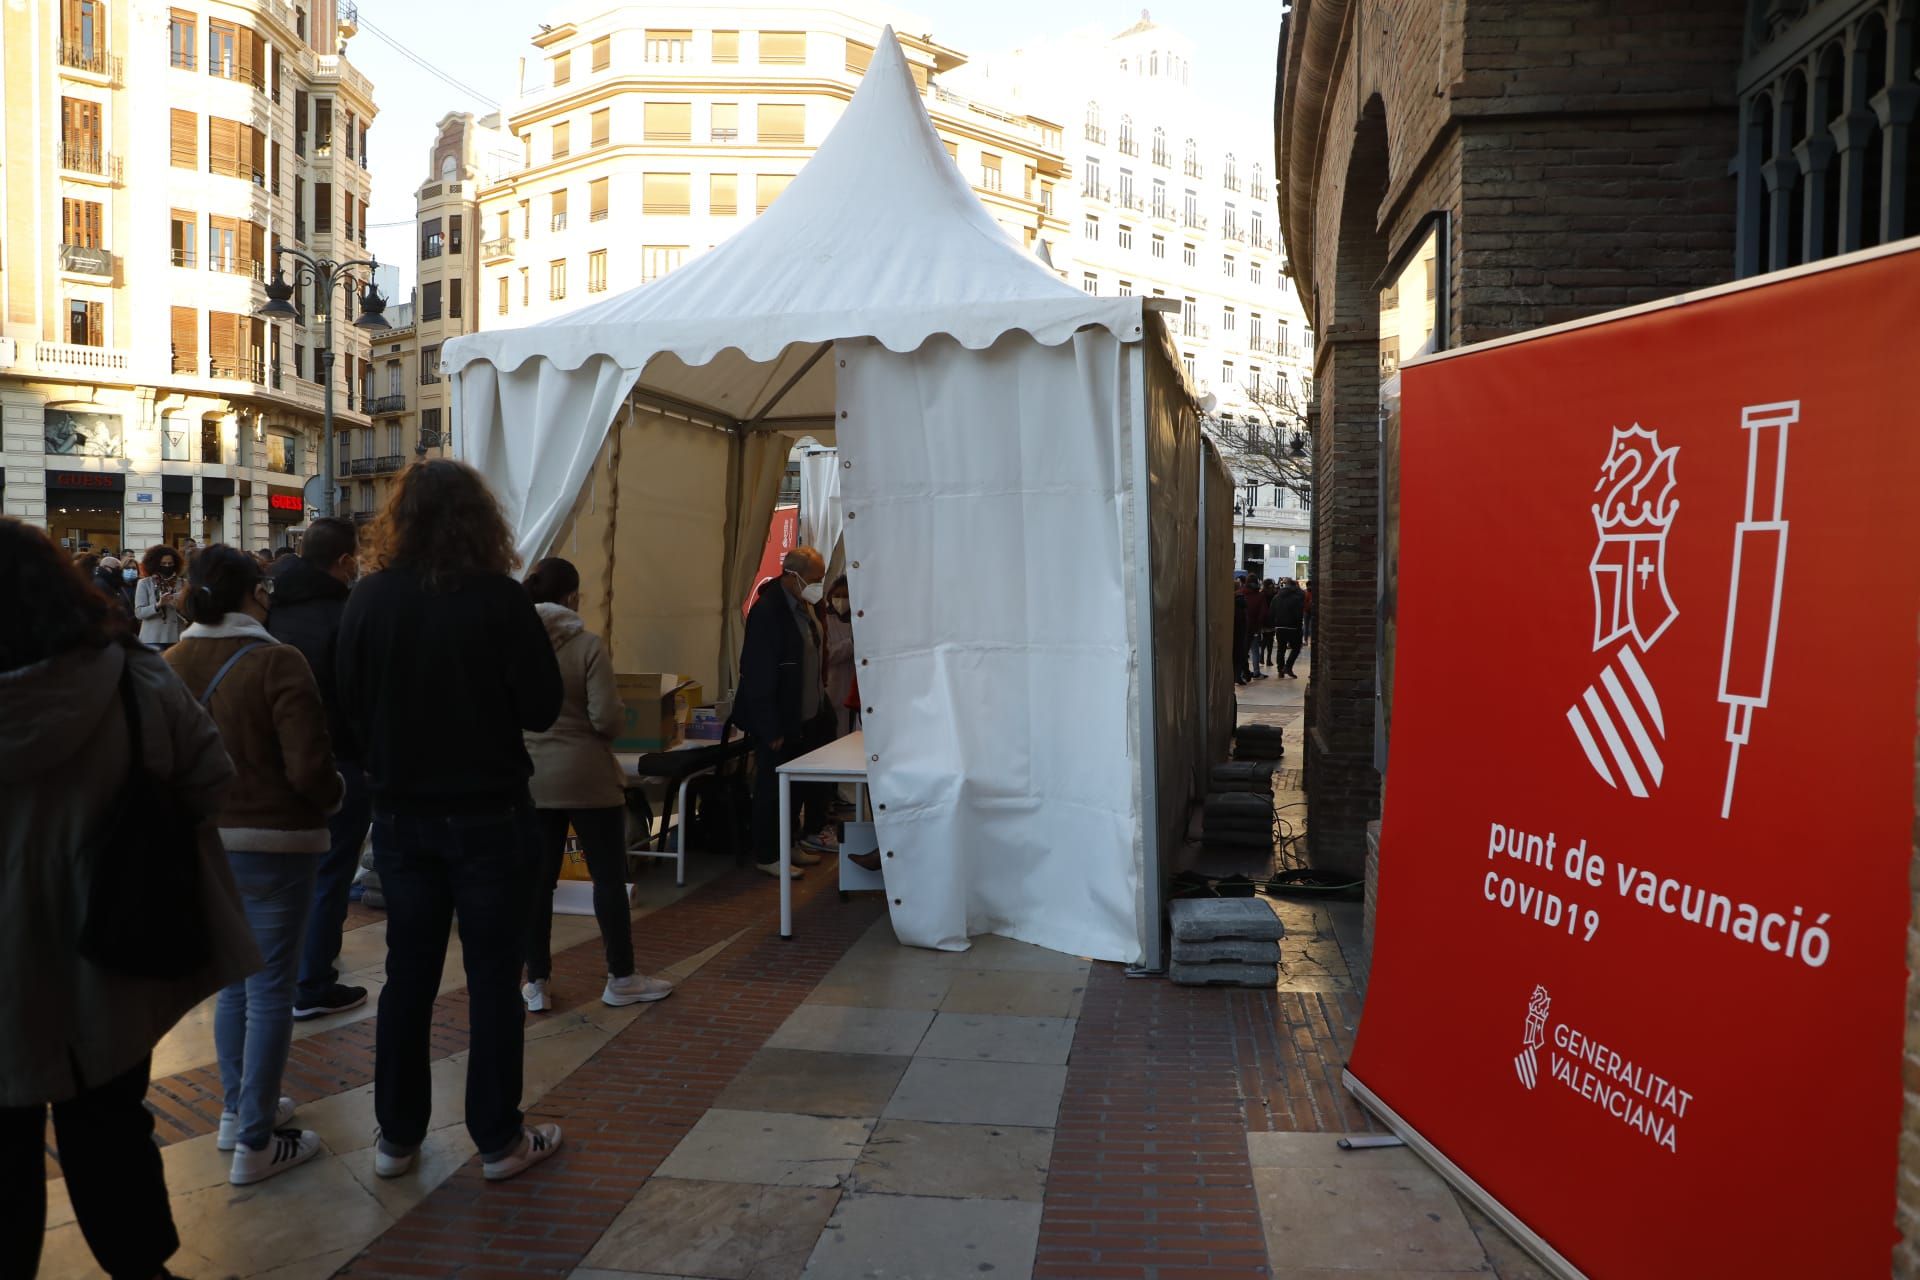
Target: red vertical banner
{"type": "Point", "coordinates": [1640, 949]}
{"type": "Point", "coordinates": [782, 534]}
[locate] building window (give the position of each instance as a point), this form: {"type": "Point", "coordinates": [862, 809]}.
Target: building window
{"type": "Point", "coordinates": [668, 46]}
{"type": "Point", "coordinates": [186, 340]}
{"type": "Point", "coordinates": [658, 259]}
{"type": "Point", "coordinates": [429, 365]}
{"type": "Point", "coordinates": [1186, 362]}
{"type": "Point", "coordinates": [430, 437]}
{"type": "Point", "coordinates": [723, 122]}
{"type": "Point", "coordinates": [1189, 318]}
{"type": "Point", "coordinates": [1254, 272]}
{"type": "Point", "coordinates": [1253, 330]}
{"type": "Point", "coordinates": [859, 57]}
{"type": "Point", "coordinates": [990, 177]}
{"type": "Point", "coordinates": [668, 121]}
{"type": "Point", "coordinates": [1253, 382]}
{"type": "Point", "coordinates": [1126, 236]}
{"type": "Point", "coordinates": [562, 140]}
{"type": "Point", "coordinates": [664, 194]}
{"type": "Point", "coordinates": [1257, 227]}
{"type": "Point", "coordinates": [526, 286]}
{"type": "Point", "coordinates": [394, 385]}
{"type": "Point", "coordinates": [1127, 145]}
{"type": "Point", "coordinates": [783, 48]}
{"type": "Point", "coordinates": [558, 219]}
{"type": "Point", "coordinates": [1161, 156]}
{"type": "Point", "coordinates": [1230, 173]}
{"type": "Point", "coordinates": [767, 189]}
{"type": "Point", "coordinates": [1188, 256]}
{"type": "Point", "coordinates": [181, 225]}
{"type": "Point", "coordinates": [184, 139]}
{"type": "Point", "coordinates": [1227, 266]}
{"type": "Point", "coordinates": [80, 223]}
{"type": "Point", "coordinates": [1192, 166]}
{"type": "Point", "coordinates": [1126, 288]}
{"type": "Point", "coordinates": [562, 68]}
{"type": "Point", "coordinates": [504, 289]}
{"type": "Point", "coordinates": [1226, 372]}
{"type": "Point", "coordinates": [1090, 180]}
{"type": "Point", "coordinates": [782, 124]}
{"type": "Point", "coordinates": [1094, 131]}
{"type": "Point", "coordinates": [1160, 247]}
{"type": "Point", "coordinates": [723, 195]}
{"type": "Point", "coordinates": [602, 127]}
{"type": "Point", "coordinates": [597, 200]}
{"type": "Point", "coordinates": [1092, 228]}
{"type": "Point", "coordinates": [1228, 320]}
{"type": "Point", "coordinates": [1089, 282]}
{"type": "Point", "coordinates": [1230, 222]}
{"type": "Point", "coordinates": [1190, 210]}
{"type": "Point", "coordinates": [602, 53]}
{"type": "Point", "coordinates": [432, 242]}
{"type": "Point", "coordinates": [430, 300]}
{"type": "Point", "coordinates": [181, 39]}
{"type": "Point", "coordinates": [557, 279]}
{"type": "Point", "coordinates": [726, 46]}
{"type": "Point", "coordinates": [597, 271]}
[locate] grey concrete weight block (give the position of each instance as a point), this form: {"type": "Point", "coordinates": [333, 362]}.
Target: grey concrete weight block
{"type": "Point", "coordinates": [1223, 975]}
{"type": "Point", "coordinates": [1228, 951]}
{"type": "Point", "coordinates": [1210, 919]}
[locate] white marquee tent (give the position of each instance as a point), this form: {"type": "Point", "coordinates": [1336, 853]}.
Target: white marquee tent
{"type": "Point", "coordinates": [1022, 478]}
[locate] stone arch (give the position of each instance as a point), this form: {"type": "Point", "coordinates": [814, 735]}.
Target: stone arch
{"type": "Point", "coordinates": [1344, 786]}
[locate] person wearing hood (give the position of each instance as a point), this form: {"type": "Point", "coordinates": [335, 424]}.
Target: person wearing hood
{"type": "Point", "coordinates": [156, 600]}
{"type": "Point", "coordinates": [115, 580]}
{"type": "Point", "coordinates": [263, 696]}
{"type": "Point", "coordinates": [309, 597]}
{"type": "Point", "coordinates": [74, 1034]}
{"type": "Point", "coordinates": [1289, 612]}
{"type": "Point", "coordinates": [577, 783]}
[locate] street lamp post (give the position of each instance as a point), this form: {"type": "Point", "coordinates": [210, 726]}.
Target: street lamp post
{"type": "Point", "coordinates": [326, 273]}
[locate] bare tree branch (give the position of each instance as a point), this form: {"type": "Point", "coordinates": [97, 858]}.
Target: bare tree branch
{"type": "Point", "coordinates": [1274, 449]}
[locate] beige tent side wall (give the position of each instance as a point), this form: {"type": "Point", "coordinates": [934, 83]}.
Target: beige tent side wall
{"type": "Point", "coordinates": [649, 536]}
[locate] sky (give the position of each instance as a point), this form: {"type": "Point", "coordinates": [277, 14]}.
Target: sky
{"type": "Point", "coordinates": [479, 43]}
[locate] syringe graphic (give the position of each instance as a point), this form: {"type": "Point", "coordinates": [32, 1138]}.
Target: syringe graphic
{"type": "Point", "coordinates": [1759, 568]}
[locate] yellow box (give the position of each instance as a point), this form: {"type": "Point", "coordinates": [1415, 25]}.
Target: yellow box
{"type": "Point", "coordinates": [656, 711]}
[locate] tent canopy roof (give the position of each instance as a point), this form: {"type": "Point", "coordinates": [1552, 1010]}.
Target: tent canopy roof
{"type": "Point", "coordinates": [879, 236]}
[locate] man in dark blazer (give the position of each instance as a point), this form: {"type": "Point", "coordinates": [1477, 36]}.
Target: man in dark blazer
{"type": "Point", "coordinates": [782, 703]}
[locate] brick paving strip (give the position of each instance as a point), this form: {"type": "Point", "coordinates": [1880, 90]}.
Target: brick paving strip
{"type": "Point", "coordinates": [331, 1062]}
{"type": "Point", "coordinates": [627, 1107]}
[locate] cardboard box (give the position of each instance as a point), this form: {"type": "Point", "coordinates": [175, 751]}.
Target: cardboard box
{"type": "Point", "coordinates": [656, 711]}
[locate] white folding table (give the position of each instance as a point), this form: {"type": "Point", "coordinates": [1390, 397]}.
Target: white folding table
{"type": "Point", "coordinates": [843, 760]}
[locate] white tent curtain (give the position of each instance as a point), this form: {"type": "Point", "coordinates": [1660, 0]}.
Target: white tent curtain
{"type": "Point", "coordinates": [997, 649]}
{"type": "Point", "coordinates": [820, 506]}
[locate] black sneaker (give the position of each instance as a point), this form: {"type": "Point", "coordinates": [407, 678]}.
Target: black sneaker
{"type": "Point", "coordinates": [335, 999]}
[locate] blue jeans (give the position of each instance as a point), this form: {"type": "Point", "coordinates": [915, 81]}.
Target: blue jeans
{"type": "Point", "coordinates": [347, 830]}
{"type": "Point", "coordinates": [480, 867]}
{"type": "Point", "coordinates": [253, 1018]}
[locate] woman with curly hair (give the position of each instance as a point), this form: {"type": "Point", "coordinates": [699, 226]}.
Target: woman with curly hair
{"type": "Point", "coordinates": [442, 666]}
{"type": "Point", "coordinates": [157, 598]}
{"type": "Point", "coordinates": [77, 1035]}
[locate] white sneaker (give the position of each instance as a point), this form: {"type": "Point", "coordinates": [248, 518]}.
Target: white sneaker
{"type": "Point", "coordinates": [537, 1142]}
{"type": "Point", "coordinates": [230, 1124]}
{"type": "Point", "coordinates": [535, 994]}
{"type": "Point", "coordinates": [635, 988]}
{"type": "Point", "coordinates": [285, 1149]}
{"type": "Point", "coordinates": [392, 1163]}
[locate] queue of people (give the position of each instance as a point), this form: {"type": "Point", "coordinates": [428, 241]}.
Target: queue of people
{"type": "Point", "coordinates": [1272, 621]}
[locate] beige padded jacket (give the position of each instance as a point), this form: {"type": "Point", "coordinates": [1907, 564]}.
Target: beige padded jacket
{"type": "Point", "coordinates": [573, 764]}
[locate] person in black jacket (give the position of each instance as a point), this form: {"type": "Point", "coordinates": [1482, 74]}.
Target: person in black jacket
{"type": "Point", "coordinates": [309, 598]}
{"type": "Point", "coordinates": [782, 703]}
{"type": "Point", "coordinates": [442, 665]}
{"type": "Point", "coordinates": [1288, 613]}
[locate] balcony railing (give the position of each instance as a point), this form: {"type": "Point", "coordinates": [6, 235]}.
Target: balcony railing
{"type": "Point", "coordinates": [1232, 234]}
{"type": "Point", "coordinates": [1196, 221]}
{"type": "Point", "coordinates": [360, 467]}
{"type": "Point", "coordinates": [496, 249]}
{"type": "Point", "coordinates": [66, 355]}
{"type": "Point", "coordinates": [429, 377]}
{"type": "Point", "coordinates": [1163, 158]}
{"type": "Point", "coordinates": [183, 59]}
{"type": "Point", "coordinates": [433, 438]}
{"type": "Point", "coordinates": [378, 405]}
{"type": "Point", "coordinates": [85, 260]}
{"type": "Point", "coordinates": [87, 157]}
{"type": "Point", "coordinates": [1129, 200]}
{"type": "Point", "coordinates": [388, 462]}
{"type": "Point", "coordinates": [1128, 147]}
{"type": "Point", "coordinates": [1094, 191]}
{"type": "Point", "coordinates": [432, 246]}
{"type": "Point", "coordinates": [1194, 169]}
{"type": "Point", "coordinates": [726, 135]}
{"type": "Point", "coordinates": [1096, 134]}
{"type": "Point", "coordinates": [238, 267]}
{"type": "Point", "coordinates": [559, 222]}
{"type": "Point", "coordinates": [89, 56]}
{"type": "Point", "coordinates": [241, 368]}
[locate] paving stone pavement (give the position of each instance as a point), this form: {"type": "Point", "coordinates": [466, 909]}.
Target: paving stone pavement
{"type": "Point", "coordinates": [842, 1106]}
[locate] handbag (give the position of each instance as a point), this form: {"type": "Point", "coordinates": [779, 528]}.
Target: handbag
{"type": "Point", "coordinates": [145, 914]}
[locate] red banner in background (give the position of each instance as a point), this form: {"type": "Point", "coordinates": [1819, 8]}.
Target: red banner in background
{"type": "Point", "coordinates": [782, 534]}
{"type": "Point", "coordinates": [1640, 958]}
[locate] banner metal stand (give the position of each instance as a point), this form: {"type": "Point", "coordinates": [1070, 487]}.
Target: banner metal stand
{"type": "Point", "coordinates": [1523, 1235]}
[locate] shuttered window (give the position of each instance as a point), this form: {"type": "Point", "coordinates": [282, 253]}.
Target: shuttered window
{"type": "Point", "coordinates": [597, 271]}
{"type": "Point", "coordinates": [723, 195]}
{"type": "Point", "coordinates": [504, 287]}
{"type": "Point", "coordinates": [858, 56]}
{"type": "Point", "coordinates": [667, 45]}
{"type": "Point", "coordinates": [185, 137]}
{"type": "Point", "coordinates": [86, 323]}
{"type": "Point", "coordinates": [560, 210]}
{"type": "Point", "coordinates": [562, 68]}
{"type": "Point", "coordinates": [80, 223]}
{"type": "Point", "coordinates": [783, 48]}
{"type": "Point", "coordinates": [234, 149]}
{"type": "Point", "coordinates": [562, 140]}
{"type": "Point", "coordinates": [767, 189]}
{"type": "Point", "coordinates": [602, 53]}
{"type": "Point", "coordinates": [602, 126]}
{"type": "Point", "coordinates": [726, 46]}
{"type": "Point", "coordinates": [725, 121]}
{"type": "Point", "coordinates": [182, 233]}
{"type": "Point", "coordinates": [186, 340]}
{"type": "Point", "coordinates": [669, 122]}
{"type": "Point", "coordinates": [664, 193]}
{"type": "Point", "coordinates": [323, 206]}
{"type": "Point", "coordinates": [782, 124]}
{"type": "Point", "coordinates": [223, 343]}
{"type": "Point", "coordinates": [597, 200]}
{"type": "Point", "coordinates": [453, 298]}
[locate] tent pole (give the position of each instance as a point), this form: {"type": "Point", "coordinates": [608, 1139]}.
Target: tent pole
{"type": "Point", "coordinates": [620, 421]}
{"type": "Point", "coordinates": [685, 408]}
{"type": "Point", "coordinates": [736, 465]}
{"type": "Point", "coordinates": [788, 385]}
{"type": "Point", "coordinates": [1151, 900]}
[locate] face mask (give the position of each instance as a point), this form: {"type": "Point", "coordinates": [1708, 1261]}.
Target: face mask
{"type": "Point", "coordinates": [130, 575]}
{"type": "Point", "coordinates": [812, 592]}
